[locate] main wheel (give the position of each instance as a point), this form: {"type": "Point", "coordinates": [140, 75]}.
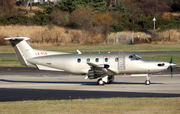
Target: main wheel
{"type": "Point", "coordinates": [147, 82]}
{"type": "Point", "coordinates": [100, 82]}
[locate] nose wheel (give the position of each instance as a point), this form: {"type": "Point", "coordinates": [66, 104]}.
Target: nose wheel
{"type": "Point", "coordinates": [147, 82]}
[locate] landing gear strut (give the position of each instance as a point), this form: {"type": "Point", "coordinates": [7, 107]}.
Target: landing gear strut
{"type": "Point", "coordinates": [147, 82]}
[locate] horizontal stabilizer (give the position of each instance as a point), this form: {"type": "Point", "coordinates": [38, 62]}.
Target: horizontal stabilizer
{"type": "Point", "coordinates": [17, 38]}
{"type": "Point", "coordinates": [41, 67]}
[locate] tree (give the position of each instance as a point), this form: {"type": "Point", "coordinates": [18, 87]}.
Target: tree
{"type": "Point", "coordinates": [98, 5]}
{"type": "Point", "coordinates": [71, 5]}
{"type": "Point", "coordinates": [118, 6]}
{"type": "Point", "coordinates": [132, 8]}
{"type": "Point", "coordinates": [61, 18]}
{"type": "Point", "coordinates": [102, 18]}
{"type": "Point", "coordinates": [175, 5]}
{"type": "Point", "coordinates": [154, 7]}
{"type": "Point", "coordinates": [166, 16]}
{"type": "Point", "coordinates": [82, 18]}
{"type": "Point", "coordinates": [102, 21]}
{"type": "Point", "coordinates": [7, 7]}
{"type": "Point", "coordinates": [28, 2]}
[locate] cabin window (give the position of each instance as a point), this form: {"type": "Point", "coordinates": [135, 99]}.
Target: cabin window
{"type": "Point", "coordinates": [97, 60]}
{"type": "Point", "coordinates": [106, 60]}
{"type": "Point", "coordinates": [116, 59]}
{"type": "Point", "coordinates": [79, 60]}
{"type": "Point", "coordinates": [88, 60]}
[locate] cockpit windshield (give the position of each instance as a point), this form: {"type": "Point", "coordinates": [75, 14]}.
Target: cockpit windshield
{"type": "Point", "coordinates": [135, 57]}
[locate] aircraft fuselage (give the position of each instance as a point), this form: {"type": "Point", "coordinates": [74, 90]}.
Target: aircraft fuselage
{"type": "Point", "coordinates": [77, 63]}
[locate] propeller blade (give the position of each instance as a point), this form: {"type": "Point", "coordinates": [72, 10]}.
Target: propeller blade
{"type": "Point", "coordinates": [171, 65]}
{"type": "Point", "coordinates": [171, 69]}
{"type": "Point", "coordinates": [171, 60]}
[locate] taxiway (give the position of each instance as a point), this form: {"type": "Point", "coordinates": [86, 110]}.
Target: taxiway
{"type": "Point", "coordinates": [18, 84]}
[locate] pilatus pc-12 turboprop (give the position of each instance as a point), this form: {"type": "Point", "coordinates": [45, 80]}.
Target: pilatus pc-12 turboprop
{"type": "Point", "coordinates": [101, 66]}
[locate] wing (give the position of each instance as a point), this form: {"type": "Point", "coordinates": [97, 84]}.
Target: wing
{"type": "Point", "coordinates": [100, 70]}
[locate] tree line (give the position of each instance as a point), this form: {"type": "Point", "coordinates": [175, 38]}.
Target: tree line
{"type": "Point", "coordinates": [100, 16]}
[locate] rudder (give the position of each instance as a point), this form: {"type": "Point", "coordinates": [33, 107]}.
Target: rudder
{"type": "Point", "coordinates": [22, 49]}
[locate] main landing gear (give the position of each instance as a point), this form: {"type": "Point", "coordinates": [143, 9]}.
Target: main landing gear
{"type": "Point", "coordinates": [105, 80]}
{"type": "Point", "coordinates": [100, 82]}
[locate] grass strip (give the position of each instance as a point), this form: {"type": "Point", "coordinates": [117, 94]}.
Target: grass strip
{"type": "Point", "coordinates": [103, 48]}
{"type": "Point", "coordinates": [10, 62]}
{"type": "Point", "coordinates": [14, 62]}
{"type": "Point", "coordinates": [94, 106]}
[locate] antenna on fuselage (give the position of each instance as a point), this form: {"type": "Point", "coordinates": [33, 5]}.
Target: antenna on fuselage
{"type": "Point", "coordinates": [79, 52]}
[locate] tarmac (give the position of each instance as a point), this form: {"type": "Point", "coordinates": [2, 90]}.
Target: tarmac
{"type": "Point", "coordinates": [18, 84]}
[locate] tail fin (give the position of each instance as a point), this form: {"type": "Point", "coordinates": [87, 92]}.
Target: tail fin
{"type": "Point", "coordinates": [22, 49]}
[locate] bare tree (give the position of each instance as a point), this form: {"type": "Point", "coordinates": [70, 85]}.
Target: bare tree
{"type": "Point", "coordinates": [154, 7]}
{"type": "Point", "coordinates": [7, 7]}
{"type": "Point", "coordinates": [132, 7]}
{"type": "Point", "coordinates": [30, 5]}
{"type": "Point", "coordinates": [27, 4]}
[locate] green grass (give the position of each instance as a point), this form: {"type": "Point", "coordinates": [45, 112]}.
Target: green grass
{"type": "Point", "coordinates": [114, 48]}
{"type": "Point", "coordinates": [94, 106]}
{"type": "Point", "coordinates": [10, 62]}
{"type": "Point", "coordinates": [14, 62]}
{"type": "Point", "coordinates": [104, 48]}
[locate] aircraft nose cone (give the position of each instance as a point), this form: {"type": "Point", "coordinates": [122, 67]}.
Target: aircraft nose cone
{"type": "Point", "coordinates": [172, 64]}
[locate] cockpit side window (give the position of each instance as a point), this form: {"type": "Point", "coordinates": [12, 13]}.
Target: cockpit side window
{"type": "Point", "coordinates": [134, 57]}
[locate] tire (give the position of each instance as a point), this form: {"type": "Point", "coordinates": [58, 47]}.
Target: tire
{"type": "Point", "coordinates": [147, 82]}
{"type": "Point", "coordinates": [100, 82]}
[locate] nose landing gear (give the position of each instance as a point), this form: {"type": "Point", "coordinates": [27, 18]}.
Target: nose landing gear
{"type": "Point", "coordinates": [147, 82]}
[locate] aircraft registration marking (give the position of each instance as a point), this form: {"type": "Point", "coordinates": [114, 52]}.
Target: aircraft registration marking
{"type": "Point", "coordinates": [121, 62]}
{"type": "Point", "coordinates": [41, 53]}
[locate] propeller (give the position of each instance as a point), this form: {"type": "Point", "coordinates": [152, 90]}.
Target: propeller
{"type": "Point", "coordinates": [171, 64]}
{"type": "Point", "coordinates": [170, 67]}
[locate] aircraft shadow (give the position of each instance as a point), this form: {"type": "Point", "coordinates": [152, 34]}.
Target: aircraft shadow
{"type": "Point", "coordinates": [74, 82]}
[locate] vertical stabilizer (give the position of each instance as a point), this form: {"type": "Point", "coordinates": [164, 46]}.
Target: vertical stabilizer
{"type": "Point", "coordinates": [22, 49]}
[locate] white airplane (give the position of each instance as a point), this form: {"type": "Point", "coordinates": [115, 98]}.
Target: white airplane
{"type": "Point", "coordinates": [101, 66]}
